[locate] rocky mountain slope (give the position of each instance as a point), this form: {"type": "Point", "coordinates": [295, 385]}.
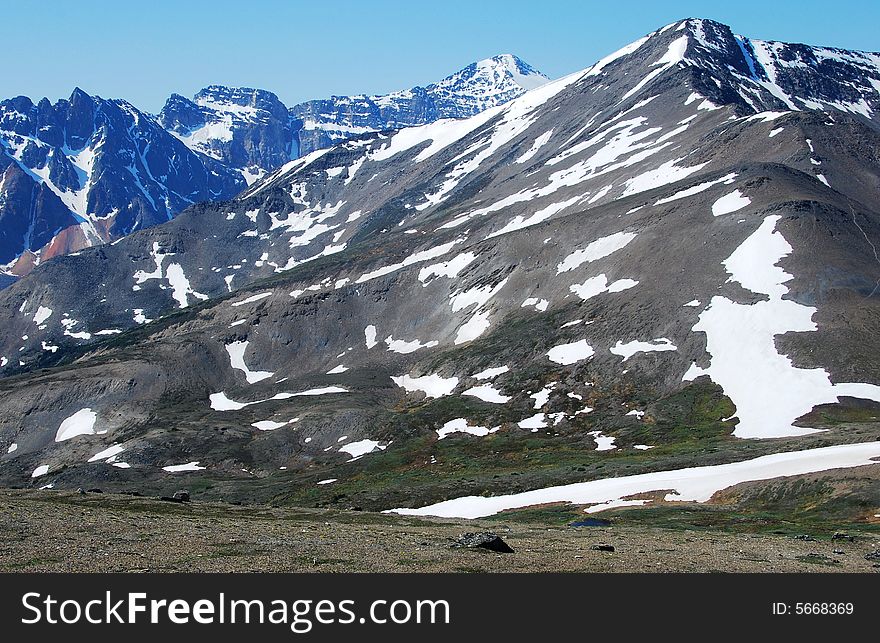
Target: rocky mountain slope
{"type": "Point", "coordinates": [665, 261]}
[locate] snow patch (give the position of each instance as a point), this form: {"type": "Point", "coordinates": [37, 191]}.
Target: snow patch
{"type": "Point", "coordinates": [540, 141]}
{"type": "Point", "coordinates": [539, 304]}
{"type": "Point", "coordinates": [769, 392]}
{"type": "Point", "coordinates": [189, 466]}
{"type": "Point", "coordinates": [597, 285]}
{"type": "Point", "coordinates": [236, 352]}
{"type": "Point", "coordinates": [487, 393]}
{"type": "Point", "coordinates": [180, 285]}
{"type": "Point", "coordinates": [80, 423]}
{"type": "Point", "coordinates": [603, 442]}
{"type": "Point", "coordinates": [460, 425]}
{"type": "Point", "coordinates": [572, 353]}
{"type": "Point", "coordinates": [109, 452]}
{"type": "Point", "coordinates": [667, 173]}
{"type": "Point", "coordinates": [694, 484]}
{"type": "Point", "coordinates": [696, 189]}
{"type": "Point", "coordinates": [491, 373]}
{"type": "Point", "coordinates": [42, 315]}
{"type": "Point", "coordinates": [370, 336]}
{"type": "Point", "coordinates": [268, 425]}
{"type": "Point", "coordinates": [433, 385]}
{"type": "Point", "coordinates": [252, 299]}
{"type": "Point", "coordinates": [535, 422]}
{"type": "Point", "coordinates": [361, 448]}
{"type": "Point", "coordinates": [404, 347]}
{"type": "Point", "coordinates": [220, 402]}
{"type": "Point", "coordinates": [448, 269]}
{"type": "Point", "coordinates": [596, 250]}
{"type": "Point", "coordinates": [730, 203]}
{"type": "Point", "coordinates": [629, 349]}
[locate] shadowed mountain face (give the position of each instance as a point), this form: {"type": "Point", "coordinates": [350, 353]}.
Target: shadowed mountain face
{"type": "Point", "coordinates": [246, 129]}
{"type": "Point", "coordinates": [650, 264]}
{"type": "Point", "coordinates": [86, 171]}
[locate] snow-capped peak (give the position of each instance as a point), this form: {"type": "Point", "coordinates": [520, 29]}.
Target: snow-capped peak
{"type": "Point", "coordinates": [765, 75]}
{"type": "Point", "coordinates": [485, 84]}
{"type": "Point", "coordinates": [777, 75]}
{"type": "Point", "coordinates": [520, 71]}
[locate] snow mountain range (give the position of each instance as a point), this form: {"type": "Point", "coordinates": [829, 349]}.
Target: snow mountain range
{"type": "Point", "coordinates": [88, 171]}
{"type": "Point", "coordinates": [488, 83]}
{"type": "Point", "coordinates": [661, 269]}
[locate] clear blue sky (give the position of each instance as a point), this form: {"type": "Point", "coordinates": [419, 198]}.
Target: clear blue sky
{"type": "Point", "coordinates": [143, 51]}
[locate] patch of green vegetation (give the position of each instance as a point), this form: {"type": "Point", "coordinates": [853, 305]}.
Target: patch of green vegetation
{"type": "Point", "coordinates": [803, 506]}
{"type": "Point", "coordinates": [31, 563]}
{"type": "Point", "coordinates": [694, 414]}
{"type": "Point", "coordinates": [687, 427]}
{"type": "Point", "coordinates": [436, 412]}
{"type": "Point", "coordinates": [833, 415]}
{"type": "Point", "coordinates": [558, 514]}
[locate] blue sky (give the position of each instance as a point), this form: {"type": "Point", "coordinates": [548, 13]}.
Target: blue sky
{"type": "Point", "coordinates": [300, 50]}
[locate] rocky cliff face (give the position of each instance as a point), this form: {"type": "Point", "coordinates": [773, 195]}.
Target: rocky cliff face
{"type": "Point", "coordinates": [245, 129]}
{"type": "Point", "coordinates": [650, 264]}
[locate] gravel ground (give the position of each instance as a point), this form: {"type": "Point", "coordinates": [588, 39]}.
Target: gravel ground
{"type": "Point", "coordinates": [49, 531]}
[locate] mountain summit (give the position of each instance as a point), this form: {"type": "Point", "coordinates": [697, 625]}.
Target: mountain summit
{"type": "Point", "coordinates": [246, 129]}
{"type": "Point", "coordinates": [657, 263]}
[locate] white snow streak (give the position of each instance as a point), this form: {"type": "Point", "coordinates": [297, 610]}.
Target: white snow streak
{"type": "Point", "coordinates": [694, 484]}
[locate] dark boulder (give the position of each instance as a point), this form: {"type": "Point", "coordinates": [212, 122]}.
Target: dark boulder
{"type": "Point", "coordinates": [483, 540]}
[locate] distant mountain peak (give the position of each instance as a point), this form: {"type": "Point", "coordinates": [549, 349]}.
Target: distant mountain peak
{"type": "Point", "coordinates": [491, 81]}
{"type": "Point", "coordinates": [220, 95]}
{"type": "Point", "coordinates": [521, 72]}
{"type": "Point", "coordinates": [479, 86]}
